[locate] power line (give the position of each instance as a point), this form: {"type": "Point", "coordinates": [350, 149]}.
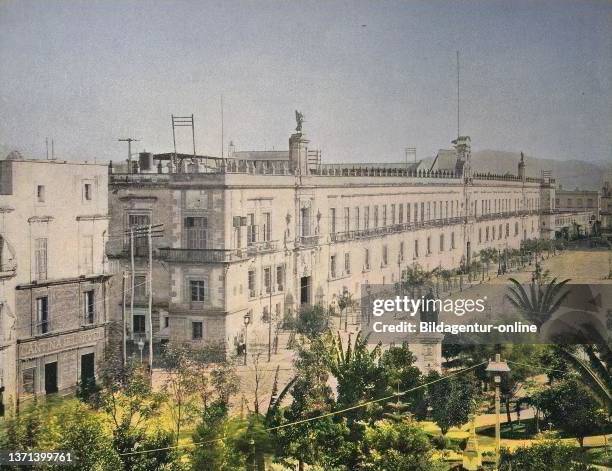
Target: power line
{"type": "Point", "coordinates": [310, 419]}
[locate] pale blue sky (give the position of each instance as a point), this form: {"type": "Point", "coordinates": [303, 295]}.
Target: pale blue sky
{"type": "Point", "coordinates": [536, 75]}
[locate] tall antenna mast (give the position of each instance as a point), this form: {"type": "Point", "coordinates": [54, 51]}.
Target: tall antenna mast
{"type": "Point", "coordinates": [458, 134]}
{"type": "Point", "coordinates": [129, 140]}
{"type": "Point", "coordinates": [222, 127]}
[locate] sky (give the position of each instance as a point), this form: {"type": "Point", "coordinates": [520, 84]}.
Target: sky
{"type": "Point", "coordinates": [371, 77]}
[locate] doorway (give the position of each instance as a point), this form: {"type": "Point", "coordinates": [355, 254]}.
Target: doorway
{"type": "Point", "coordinates": [88, 374]}
{"type": "Point", "coordinates": [305, 290]}
{"type": "Point", "coordinates": [51, 378]}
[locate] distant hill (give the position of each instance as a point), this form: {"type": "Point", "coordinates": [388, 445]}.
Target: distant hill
{"type": "Point", "coordinates": [570, 173]}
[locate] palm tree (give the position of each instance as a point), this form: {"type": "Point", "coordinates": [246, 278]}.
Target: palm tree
{"type": "Point", "coordinates": [542, 300]}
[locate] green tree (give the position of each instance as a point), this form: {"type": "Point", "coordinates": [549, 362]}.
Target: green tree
{"type": "Point", "coordinates": [541, 301]}
{"type": "Point", "coordinates": [312, 320]}
{"type": "Point", "coordinates": [571, 407]}
{"type": "Point", "coordinates": [397, 446]}
{"type": "Point", "coordinates": [452, 399]}
{"type": "Point", "coordinates": [549, 455]}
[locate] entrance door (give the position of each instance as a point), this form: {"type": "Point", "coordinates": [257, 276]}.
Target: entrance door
{"type": "Point", "coordinates": [88, 376]}
{"type": "Point", "coordinates": [51, 378]}
{"type": "Point", "coordinates": [305, 290]}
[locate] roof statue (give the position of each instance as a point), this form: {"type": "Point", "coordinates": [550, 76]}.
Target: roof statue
{"type": "Point", "coordinates": [299, 119]}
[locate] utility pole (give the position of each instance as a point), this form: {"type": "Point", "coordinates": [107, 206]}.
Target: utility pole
{"type": "Point", "coordinates": [222, 150]}
{"type": "Point", "coordinates": [124, 319]}
{"type": "Point", "coordinates": [270, 320]}
{"type": "Point", "coordinates": [129, 140]}
{"type": "Point", "coordinates": [150, 313]}
{"type": "Point", "coordinates": [458, 95]}
{"type": "Point", "coordinates": [132, 273]}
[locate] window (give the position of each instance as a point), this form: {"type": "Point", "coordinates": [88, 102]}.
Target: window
{"type": "Point", "coordinates": [507, 230]}
{"type": "Point", "coordinates": [87, 191]}
{"type": "Point", "coordinates": [366, 217]}
{"type": "Point", "coordinates": [480, 235]}
{"type": "Point", "coordinates": [280, 277]}
{"type": "Point", "coordinates": [332, 266]}
{"type": "Point", "coordinates": [267, 228]}
{"type": "Point", "coordinates": [140, 288]}
{"type": "Point", "coordinates": [251, 229]}
{"type": "Point", "coordinates": [375, 216]}
{"type": "Point", "coordinates": [487, 234]}
{"type": "Point", "coordinates": [29, 380]}
{"type": "Point", "coordinates": [416, 248]}
{"type": "Point", "coordinates": [139, 324]}
{"type": "Point", "coordinates": [40, 255]}
{"type": "Point", "coordinates": [347, 219]}
{"type": "Point", "coordinates": [452, 240]}
{"type": "Point", "coordinates": [197, 289]}
{"type": "Point", "coordinates": [385, 255]}
{"type": "Point", "coordinates": [384, 215]}
{"type": "Point", "coordinates": [196, 330]}
{"type": "Point", "coordinates": [251, 283]}
{"type": "Point", "coordinates": [366, 263]}
{"type": "Point", "coordinates": [357, 222]}
{"type": "Point", "coordinates": [492, 232]}
{"type": "Point", "coordinates": [400, 216]}
{"type": "Point", "coordinates": [305, 218]}
{"type": "Point", "coordinates": [393, 215]}
{"type": "Point", "coordinates": [196, 231]}
{"type": "Point", "coordinates": [332, 220]}
{"type": "Point", "coordinates": [267, 279]}
{"type": "Point", "coordinates": [88, 307]}
{"type": "Point", "coordinates": [40, 193]}
{"type": "Point", "coordinates": [347, 263]}
{"type": "Point", "coordinates": [441, 242]}
{"type": "Point", "coordinates": [428, 245]}
{"type": "Point", "coordinates": [422, 212]}
{"type": "Point", "coordinates": [42, 315]}
{"type": "Point", "coordinates": [435, 212]}
{"type": "Point", "coordinates": [136, 221]}
{"type": "Point", "coordinates": [516, 228]}
{"type": "Point", "coordinates": [166, 322]}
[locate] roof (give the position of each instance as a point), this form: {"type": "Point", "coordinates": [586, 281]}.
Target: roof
{"type": "Point", "coordinates": [261, 155]}
{"type": "Point", "coordinates": [446, 159]}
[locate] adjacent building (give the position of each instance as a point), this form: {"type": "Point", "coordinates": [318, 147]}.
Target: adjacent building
{"type": "Point", "coordinates": [53, 282]}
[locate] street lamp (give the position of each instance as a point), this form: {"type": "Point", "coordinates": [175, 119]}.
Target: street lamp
{"type": "Point", "coordinates": [247, 321]}
{"type": "Point", "coordinates": [140, 347]}
{"type": "Point", "coordinates": [497, 367]}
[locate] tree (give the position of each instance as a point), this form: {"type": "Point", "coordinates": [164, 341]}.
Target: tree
{"type": "Point", "coordinates": [321, 442]}
{"type": "Point", "coordinates": [402, 375]}
{"type": "Point", "coordinates": [397, 446]}
{"type": "Point", "coordinates": [542, 300]}
{"type": "Point", "coordinates": [358, 373]}
{"type": "Point", "coordinates": [70, 426]}
{"type": "Point", "coordinates": [549, 455]}
{"type": "Point", "coordinates": [571, 407]}
{"type": "Point", "coordinates": [452, 399]}
{"type": "Point", "coordinates": [312, 321]}
{"type": "Point", "coordinates": [214, 437]}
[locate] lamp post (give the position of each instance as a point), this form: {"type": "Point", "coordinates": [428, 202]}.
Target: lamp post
{"type": "Point", "coordinates": [247, 321]}
{"type": "Point", "coordinates": [497, 367]}
{"type": "Point", "coordinates": [140, 347]}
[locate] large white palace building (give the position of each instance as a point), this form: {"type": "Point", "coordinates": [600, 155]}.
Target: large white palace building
{"type": "Point", "coordinates": [267, 232]}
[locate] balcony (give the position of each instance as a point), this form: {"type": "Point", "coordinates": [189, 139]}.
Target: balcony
{"type": "Point", "coordinates": [200, 255]}
{"type": "Point", "coordinates": [308, 241]}
{"type": "Point", "coordinates": [265, 246]}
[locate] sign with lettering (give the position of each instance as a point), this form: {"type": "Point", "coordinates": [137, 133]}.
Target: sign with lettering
{"type": "Point", "coordinates": [56, 344]}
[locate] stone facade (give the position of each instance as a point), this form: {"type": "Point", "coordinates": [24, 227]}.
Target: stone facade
{"type": "Point", "coordinates": [54, 290]}
{"type": "Point", "coordinates": [246, 237]}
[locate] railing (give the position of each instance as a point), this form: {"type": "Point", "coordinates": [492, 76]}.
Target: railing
{"type": "Point", "coordinates": [262, 247]}
{"type": "Point", "coordinates": [392, 229]}
{"type": "Point", "coordinates": [200, 255]}
{"type": "Point", "coordinates": [308, 241]}
{"type": "Point", "coordinates": [379, 170]}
